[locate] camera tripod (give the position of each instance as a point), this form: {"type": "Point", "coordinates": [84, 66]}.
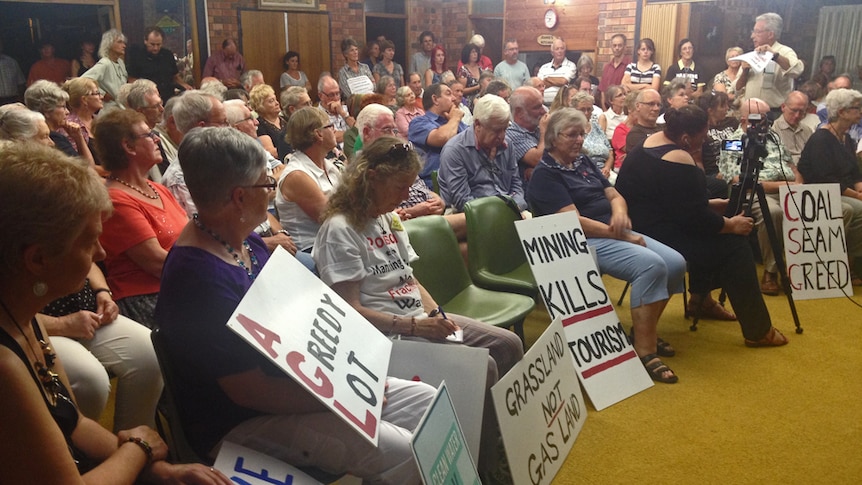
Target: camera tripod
{"type": "Point", "coordinates": [747, 188]}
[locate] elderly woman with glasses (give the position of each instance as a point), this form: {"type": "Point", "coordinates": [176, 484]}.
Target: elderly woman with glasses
{"type": "Point", "coordinates": [45, 436]}
{"type": "Point", "coordinates": [47, 98]}
{"type": "Point", "coordinates": [85, 100]}
{"type": "Point", "coordinates": [226, 389]}
{"type": "Point", "coordinates": [309, 179]}
{"type": "Point", "coordinates": [596, 144]}
{"type": "Point", "coordinates": [566, 180]}
{"type": "Point", "coordinates": [147, 219]}
{"type": "Point", "coordinates": [360, 212]}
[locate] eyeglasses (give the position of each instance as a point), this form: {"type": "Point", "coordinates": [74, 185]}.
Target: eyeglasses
{"type": "Point", "coordinates": [324, 127]}
{"type": "Point", "coordinates": [152, 135]}
{"type": "Point", "coordinates": [270, 184]}
{"type": "Point", "coordinates": [572, 136]}
{"type": "Point", "coordinates": [389, 130]}
{"type": "Point", "coordinates": [332, 94]}
{"type": "Point", "coordinates": [250, 118]}
{"type": "Point", "coordinates": [94, 93]}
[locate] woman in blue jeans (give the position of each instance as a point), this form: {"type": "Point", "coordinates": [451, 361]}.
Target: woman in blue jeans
{"type": "Point", "coordinates": [566, 180]}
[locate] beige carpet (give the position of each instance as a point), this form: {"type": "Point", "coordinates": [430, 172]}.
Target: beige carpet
{"type": "Point", "coordinates": [737, 415]}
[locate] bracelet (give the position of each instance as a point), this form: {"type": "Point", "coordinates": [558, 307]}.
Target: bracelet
{"type": "Point", "coordinates": [283, 232]}
{"type": "Point", "coordinates": [96, 291]}
{"type": "Point", "coordinates": [412, 325]}
{"type": "Point", "coordinates": [144, 446]}
{"type": "Point", "coordinates": [394, 322]}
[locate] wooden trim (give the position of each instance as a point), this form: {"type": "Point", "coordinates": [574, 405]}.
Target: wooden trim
{"type": "Point", "coordinates": [115, 3]}
{"type": "Point", "coordinates": [386, 15]}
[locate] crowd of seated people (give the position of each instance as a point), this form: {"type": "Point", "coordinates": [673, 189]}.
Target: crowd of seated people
{"type": "Point", "coordinates": [383, 144]}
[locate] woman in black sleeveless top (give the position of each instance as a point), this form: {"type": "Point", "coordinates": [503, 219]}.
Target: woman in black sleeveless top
{"type": "Point", "coordinates": [47, 247]}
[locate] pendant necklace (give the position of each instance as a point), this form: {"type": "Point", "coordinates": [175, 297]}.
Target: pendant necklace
{"type": "Point", "coordinates": [50, 380]}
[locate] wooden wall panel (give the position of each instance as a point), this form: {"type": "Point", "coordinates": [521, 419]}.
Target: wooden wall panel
{"type": "Point", "coordinates": [263, 40]}
{"type": "Point", "coordinates": [308, 34]}
{"type": "Point", "coordinates": [577, 23]}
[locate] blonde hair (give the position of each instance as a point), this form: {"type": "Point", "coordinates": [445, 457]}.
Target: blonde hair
{"type": "Point", "coordinates": [258, 95]}
{"type": "Point", "coordinates": [78, 88]}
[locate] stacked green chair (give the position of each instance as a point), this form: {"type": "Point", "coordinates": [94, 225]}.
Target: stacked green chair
{"type": "Point", "coordinates": [496, 259]}
{"type": "Point", "coordinates": [440, 269]}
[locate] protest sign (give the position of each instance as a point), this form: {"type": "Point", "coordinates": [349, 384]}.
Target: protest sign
{"type": "Point", "coordinates": [245, 466]}
{"type": "Point", "coordinates": [440, 447]}
{"type": "Point", "coordinates": [540, 409]}
{"type": "Point", "coordinates": [814, 241]}
{"type": "Point", "coordinates": [572, 289]}
{"type": "Point", "coordinates": [464, 369]}
{"type": "Point", "coordinates": [318, 339]}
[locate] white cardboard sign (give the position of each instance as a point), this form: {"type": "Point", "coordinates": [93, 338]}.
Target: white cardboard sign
{"type": "Point", "coordinates": [245, 466]}
{"type": "Point", "coordinates": [572, 289]}
{"type": "Point", "coordinates": [540, 409]}
{"type": "Point", "coordinates": [464, 369]}
{"type": "Point", "coordinates": [439, 445]}
{"type": "Point", "coordinates": [814, 241]}
{"type": "Point", "coordinates": [318, 339]}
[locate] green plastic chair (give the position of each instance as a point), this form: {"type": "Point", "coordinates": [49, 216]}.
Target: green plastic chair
{"type": "Point", "coordinates": [496, 259]}
{"type": "Point", "coordinates": [441, 271]}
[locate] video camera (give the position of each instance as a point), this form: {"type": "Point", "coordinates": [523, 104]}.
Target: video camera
{"type": "Point", "coordinates": [753, 148]}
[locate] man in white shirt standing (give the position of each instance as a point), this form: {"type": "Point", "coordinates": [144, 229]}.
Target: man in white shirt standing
{"type": "Point", "coordinates": [515, 72]}
{"type": "Point", "coordinates": [557, 73]}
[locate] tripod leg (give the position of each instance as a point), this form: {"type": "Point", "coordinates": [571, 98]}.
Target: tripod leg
{"type": "Point", "coordinates": [778, 252]}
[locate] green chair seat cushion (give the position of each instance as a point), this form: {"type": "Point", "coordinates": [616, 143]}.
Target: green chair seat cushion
{"type": "Point", "coordinates": [493, 308]}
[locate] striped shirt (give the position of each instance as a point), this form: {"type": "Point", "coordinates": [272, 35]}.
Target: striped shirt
{"type": "Point", "coordinates": [642, 77]}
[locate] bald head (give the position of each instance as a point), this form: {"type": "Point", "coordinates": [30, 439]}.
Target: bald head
{"type": "Point", "coordinates": [794, 108]}
{"type": "Point", "coordinates": [752, 106]}
{"type": "Point", "coordinates": [527, 107]}
{"type": "Point", "coordinates": [843, 81]}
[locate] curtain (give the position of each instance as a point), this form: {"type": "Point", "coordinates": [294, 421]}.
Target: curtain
{"type": "Point", "coordinates": [839, 33]}
{"type": "Point", "coordinates": [659, 23]}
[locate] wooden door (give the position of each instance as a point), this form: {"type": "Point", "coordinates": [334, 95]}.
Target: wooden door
{"type": "Point", "coordinates": [267, 36]}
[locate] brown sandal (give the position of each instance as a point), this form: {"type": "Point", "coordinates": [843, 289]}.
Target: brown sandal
{"type": "Point", "coordinates": [773, 338]}
{"type": "Point", "coordinates": [709, 309]}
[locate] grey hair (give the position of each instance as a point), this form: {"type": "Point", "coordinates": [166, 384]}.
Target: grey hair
{"type": "Point", "coordinates": [123, 93]}
{"type": "Point", "coordinates": [380, 85]}
{"type": "Point", "coordinates": [839, 99]}
{"type": "Point", "coordinates": [670, 89]}
{"type": "Point", "coordinates": [369, 115]}
{"type": "Point", "coordinates": [612, 91]}
{"type": "Point", "coordinates": [140, 88]}
{"type": "Point", "coordinates": [322, 81]}
{"type": "Point", "coordinates": [20, 124]}
{"type": "Point", "coordinates": [214, 88]}
{"type": "Point", "coordinates": [584, 60]}
{"type": "Point", "coordinates": [773, 23]}
{"type": "Point", "coordinates": [43, 96]}
{"type": "Point", "coordinates": [247, 76]}
{"type": "Point", "coordinates": [582, 96]}
{"type": "Point", "coordinates": [560, 120]}
{"type": "Point", "coordinates": [108, 39]}
{"type": "Point", "coordinates": [401, 95]}
{"type": "Point", "coordinates": [491, 107]}
{"type": "Point", "coordinates": [215, 160]}
{"type": "Point", "coordinates": [447, 78]}
{"type": "Point", "coordinates": [477, 40]}
{"type": "Point", "coordinates": [169, 111]}
{"type": "Point", "coordinates": [192, 108]}
{"type": "Point", "coordinates": [290, 97]}
{"type": "Point", "coordinates": [233, 109]}
{"type": "Point", "coordinates": [497, 86]}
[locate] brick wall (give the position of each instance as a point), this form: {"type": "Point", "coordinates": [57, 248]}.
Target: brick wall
{"type": "Point", "coordinates": [615, 16]}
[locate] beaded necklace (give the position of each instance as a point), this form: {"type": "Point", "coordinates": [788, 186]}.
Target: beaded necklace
{"type": "Point", "coordinates": [249, 270]}
{"type": "Point", "coordinates": [137, 189]}
{"type": "Point", "coordinates": [50, 380]}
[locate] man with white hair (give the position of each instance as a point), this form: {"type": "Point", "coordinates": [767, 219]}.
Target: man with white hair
{"type": "Point", "coordinates": [477, 162]}
{"type": "Point", "coordinates": [192, 109]}
{"type": "Point", "coordinates": [778, 169]}
{"type": "Point", "coordinates": [774, 84]}
{"type": "Point", "coordinates": [329, 93]}
{"type": "Point", "coordinates": [557, 73]}
{"type": "Point", "coordinates": [250, 79]}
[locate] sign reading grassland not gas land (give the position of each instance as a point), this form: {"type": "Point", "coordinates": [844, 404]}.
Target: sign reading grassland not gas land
{"type": "Point", "coordinates": [572, 289]}
{"type": "Point", "coordinates": [540, 409]}
{"type": "Point", "coordinates": [814, 241]}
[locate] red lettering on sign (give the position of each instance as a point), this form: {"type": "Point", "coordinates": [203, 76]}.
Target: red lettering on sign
{"type": "Point", "coordinates": [322, 388]}
{"type": "Point", "coordinates": [370, 424]}
{"type": "Point", "coordinates": [264, 336]}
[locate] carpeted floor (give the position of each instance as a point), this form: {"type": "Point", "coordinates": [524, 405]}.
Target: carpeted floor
{"type": "Point", "coordinates": [789, 415]}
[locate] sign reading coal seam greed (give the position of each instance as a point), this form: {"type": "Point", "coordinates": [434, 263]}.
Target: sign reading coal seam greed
{"type": "Point", "coordinates": [814, 241]}
{"type": "Point", "coordinates": [245, 466]}
{"type": "Point", "coordinates": [572, 289]}
{"type": "Point", "coordinates": [318, 339]}
{"type": "Point", "coordinates": [540, 409]}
